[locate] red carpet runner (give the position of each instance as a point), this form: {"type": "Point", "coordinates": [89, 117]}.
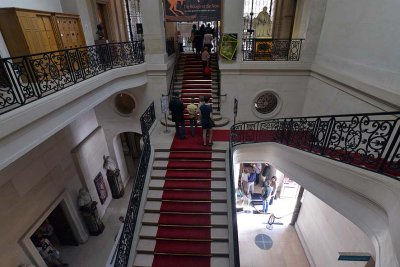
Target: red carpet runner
{"type": "Point", "coordinates": [194, 84]}
{"type": "Point", "coordinates": [184, 231]}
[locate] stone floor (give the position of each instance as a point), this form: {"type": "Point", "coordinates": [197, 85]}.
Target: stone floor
{"type": "Point", "coordinates": [263, 245]}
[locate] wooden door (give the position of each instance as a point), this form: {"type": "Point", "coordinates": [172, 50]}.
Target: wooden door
{"type": "Point", "coordinates": [38, 32]}
{"type": "Point", "coordinates": [48, 36]}
{"type": "Point", "coordinates": [30, 25]}
{"type": "Point", "coordinates": [71, 33]}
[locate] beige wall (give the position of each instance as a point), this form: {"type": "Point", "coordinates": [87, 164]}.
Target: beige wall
{"type": "Point", "coordinates": [29, 186]}
{"type": "Point", "coordinates": [326, 232]}
{"type": "Point", "coordinates": [33, 183]}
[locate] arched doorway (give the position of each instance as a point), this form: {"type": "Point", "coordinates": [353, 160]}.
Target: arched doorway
{"type": "Point", "coordinates": [128, 151]}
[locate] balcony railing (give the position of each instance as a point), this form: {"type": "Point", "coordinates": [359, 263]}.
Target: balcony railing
{"type": "Point", "coordinates": [257, 49]}
{"type": "Point", "coordinates": [369, 141]}
{"type": "Point", "coordinates": [28, 78]}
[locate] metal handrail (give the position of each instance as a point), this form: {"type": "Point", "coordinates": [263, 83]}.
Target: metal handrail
{"type": "Point", "coordinates": [367, 140]}
{"type": "Point", "coordinates": [126, 238]}
{"type": "Point", "coordinates": [25, 79]}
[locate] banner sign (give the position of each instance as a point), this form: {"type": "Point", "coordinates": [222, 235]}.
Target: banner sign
{"type": "Point", "coordinates": [192, 10]}
{"type": "Point", "coordinates": [228, 46]}
{"type": "Point", "coordinates": [164, 104]}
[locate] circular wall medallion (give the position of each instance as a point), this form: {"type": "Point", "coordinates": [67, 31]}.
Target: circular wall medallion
{"type": "Point", "coordinates": [263, 241]}
{"type": "Point", "coordinates": [266, 104]}
{"type": "Point", "coordinates": [124, 103]}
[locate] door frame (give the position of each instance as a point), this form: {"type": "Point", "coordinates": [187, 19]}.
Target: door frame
{"type": "Point", "coordinates": [77, 227]}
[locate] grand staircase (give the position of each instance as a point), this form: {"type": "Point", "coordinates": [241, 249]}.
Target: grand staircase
{"type": "Point", "coordinates": [185, 220]}
{"type": "Point", "coordinates": [189, 82]}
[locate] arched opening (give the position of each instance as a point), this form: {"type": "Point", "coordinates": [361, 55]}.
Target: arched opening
{"type": "Point", "coordinates": [127, 151]}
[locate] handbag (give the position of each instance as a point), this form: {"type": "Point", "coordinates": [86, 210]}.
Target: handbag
{"type": "Point", "coordinates": [207, 71]}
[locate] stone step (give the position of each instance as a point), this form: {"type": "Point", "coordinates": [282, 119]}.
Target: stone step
{"type": "Point", "coordinates": [191, 164]}
{"type": "Point", "coordinates": [216, 117]}
{"type": "Point", "coordinates": [146, 260]}
{"type": "Point", "coordinates": [167, 149]}
{"type": "Point", "coordinates": [217, 208]}
{"type": "Point", "coordinates": [165, 155]}
{"type": "Point", "coordinates": [220, 221]}
{"type": "Point", "coordinates": [219, 123]}
{"type": "Point", "coordinates": [157, 195]}
{"type": "Point", "coordinates": [158, 184]}
{"type": "Point", "coordinates": [147, 246]}
{"type": "Point", "coordinates": [150, 232]}
{"type": "Point", "coordinates": [215, 175]}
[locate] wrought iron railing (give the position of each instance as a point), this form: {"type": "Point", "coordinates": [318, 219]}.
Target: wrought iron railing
{"type": "Point", "coordinates": [171, 87]}
{"type": "Point", "coordinates": [126, 238]}
{"type": "Point", "coordinates": [28, 78]}
{"type": "Point", "coordinates": [218, 84]}
{"type": "Point", "coordinates": [170, 45]}
{"type": "Point", "coordinates": [369, 141]}
{"type": "Point", "coordinates": [258, 49]}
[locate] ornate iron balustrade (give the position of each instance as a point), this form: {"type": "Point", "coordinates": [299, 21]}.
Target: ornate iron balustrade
{"type": "Point", "coordinates": [170, 45]}
{"type": "Point", "coordinates": [28, 78]}
{"type": "Point", "coordinates": [257, 49]}
{"type": "Point", "coordinates": [125, 241]}
{"type": "Point", "coordinates": [368, 141]}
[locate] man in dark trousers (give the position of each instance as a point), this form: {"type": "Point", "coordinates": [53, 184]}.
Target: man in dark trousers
{"type": "Point", "coordinates": [177, 109]}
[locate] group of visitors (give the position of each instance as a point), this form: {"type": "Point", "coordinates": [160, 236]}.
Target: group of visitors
{"type": "Point", "coordinates": [44, 239]}
{"type": "Point", "coordinates": [257, 174]}
{"type": "Point", "coordinates": [201, 112]}
{"type": "Point", "coordinates": [202, 38]}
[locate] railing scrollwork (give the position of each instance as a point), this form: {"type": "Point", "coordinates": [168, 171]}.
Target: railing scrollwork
{"type": "Point", "coordinates": [259, 49]}
{"type": "Point", "coordinates": [28, 78]}
{"type": "Point", "coordinates": [369, 141]}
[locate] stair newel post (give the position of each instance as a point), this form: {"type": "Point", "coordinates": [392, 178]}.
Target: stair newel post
{"type": "Point", "coordinates": [235, 105]}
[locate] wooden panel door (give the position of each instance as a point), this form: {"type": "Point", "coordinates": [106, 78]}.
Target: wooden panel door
{"type": "Point", "coordinates": [38, 32]}
{"type": "Point", "coordinates": [30, 25]}
{"type": "Point", "coordinates": [70, 32]}
{"type": "Point", "coordinates": [48, 36]}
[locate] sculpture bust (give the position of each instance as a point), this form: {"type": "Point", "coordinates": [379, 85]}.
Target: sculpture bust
{"type": "Point", "coordinates": [109, 164]}
{"type": "Point", "coordinates": [84, 198]}
{"type": "Point", "coordinates": [263, 24]}
{"type": "Point", "coordinates": [100, 32]}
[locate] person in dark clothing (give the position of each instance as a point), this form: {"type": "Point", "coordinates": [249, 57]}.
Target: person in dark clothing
{"type": "Point", "coordinates": [208, 29]}
{"type": "Point", "coordinates": [177, 111]}
{"type": "Point", "coordinates": [207, 122]}
{"type": "Point", "coordinates": [199, 39]}
{"type": "Point", "coordinates": [267, 171]}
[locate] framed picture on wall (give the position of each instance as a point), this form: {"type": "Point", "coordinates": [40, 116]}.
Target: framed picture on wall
{"type": "Point", "coordinates": [101, 187]}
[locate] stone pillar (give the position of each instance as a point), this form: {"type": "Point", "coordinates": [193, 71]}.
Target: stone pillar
{"type": "Point", "coordinates": [87, 16]}
{"type": "Point", "coordinates": [232, 22]}
{"type": "Point", "coordinates": [313, 21]}
{"type": "Point", "coordinates": [154, 31]}
{"type": "Point", "coordinates": [283, 19]}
